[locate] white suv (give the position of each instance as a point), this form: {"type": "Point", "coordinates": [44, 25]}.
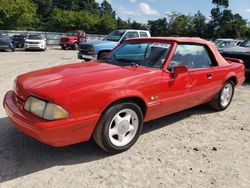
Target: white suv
{"type": "Point", "coordinates": [35, 42]}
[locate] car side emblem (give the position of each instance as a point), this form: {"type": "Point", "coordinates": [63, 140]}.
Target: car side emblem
{"type": "Point", "coordinates": [154, 98]}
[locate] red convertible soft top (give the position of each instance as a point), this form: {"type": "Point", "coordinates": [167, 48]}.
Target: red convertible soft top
{"type": "Point", "coordinates": [221, 61]}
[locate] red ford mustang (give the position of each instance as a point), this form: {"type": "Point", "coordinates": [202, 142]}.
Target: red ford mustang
{"type": "Point", "coordinates": [140, 80]}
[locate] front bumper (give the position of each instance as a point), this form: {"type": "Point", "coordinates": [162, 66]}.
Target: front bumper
{"type": "Point", "coordinates": [35, 46]}
{"type": "Point", "coordinates": [87, 57]}
{"type": "Point", "coordinates": [54, 133]}
{"type": "Point", "coordinates": [4, 46]}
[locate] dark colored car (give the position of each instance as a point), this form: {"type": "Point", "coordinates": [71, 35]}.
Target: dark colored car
{"type": "Point", "coordinates": [6, 43]}
{"type": "Point", "coordinates": [18, 40]}
{"type": "Point", "coordinates": [241, 52]}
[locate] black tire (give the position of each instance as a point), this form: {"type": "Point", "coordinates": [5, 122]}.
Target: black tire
{"type": "Point", "coordinates": [63, 47]}
{"type": "Point", "coordinates": [217, 103]}
{"type": "Point", "coordinates": [75, 46]}
{"type": "Point", "coordinates": [101, 132]}
{"type": "Point", "coordinates": [102, 55]}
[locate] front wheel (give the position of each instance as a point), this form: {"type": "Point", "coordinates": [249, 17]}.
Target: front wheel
{"type": "Point", "coordinates": [223, 99]}
{"type": "Point", "coordinates": [75, 46]}
{"type": "Point", "coordinates": [119, 127]}
{"type": "Point", "coordinates": [102, 55]}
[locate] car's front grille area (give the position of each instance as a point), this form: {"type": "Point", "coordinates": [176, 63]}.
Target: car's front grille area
{"type": "Point", "coordinates": [33, 42]}
{"type": "Point", "coordinates": [4, 43]}
{"type": "Point", "coordinates": [64, 40]}
{"type": "Point", "coordinates": [83, 49]}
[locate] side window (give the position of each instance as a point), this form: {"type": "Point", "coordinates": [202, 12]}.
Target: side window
{"type": "Point", "coordinates": [131, 34]}
{"type": "Point", "coordinates": [143, 34]}
{"type": "Point", "coordinates": [194, 56]}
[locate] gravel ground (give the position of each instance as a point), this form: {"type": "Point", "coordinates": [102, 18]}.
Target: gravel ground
{"type": "Point", "coordinates": [194, 148]}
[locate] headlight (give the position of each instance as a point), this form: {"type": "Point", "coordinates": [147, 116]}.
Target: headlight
{"type": "Point", "coordinates": [45, 110]}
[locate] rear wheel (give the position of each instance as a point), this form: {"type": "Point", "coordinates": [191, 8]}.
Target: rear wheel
{"type": "Point", "coordinates": [119, 127]}
{"type": "Point", "coordinates": [223, 99]}
{"type": "Point", "coordinates": [63, 47]}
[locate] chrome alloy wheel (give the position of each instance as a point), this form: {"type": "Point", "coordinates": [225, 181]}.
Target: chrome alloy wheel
{"type": "Point", "coordinates": [226, 95]}
{"type": "Point", "coordinates": [123, 127]}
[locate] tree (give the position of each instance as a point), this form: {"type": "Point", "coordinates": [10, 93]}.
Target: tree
{"type": "Point", "coordinates": [18, 14]}
{"type": "Point", "coordinates": [224, 23]}
{"type": "Point", "coordinates": [63, 20]}
{"type": "Point", "coordinates": [158, 27]}
{"type": "Point", "coordinates": [44, 7]}
{"type": "Point", "coordinates": [200, 26]}
{"type": "Point", "coordinates": [106, 24]}
{"type": "Point", "coordinates": [221, 3]}
{"type": "Point", "coordinates": [106, 9]}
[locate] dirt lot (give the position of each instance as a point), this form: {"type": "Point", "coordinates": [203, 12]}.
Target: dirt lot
{"type": "Point", "coordinates": [194, 148]}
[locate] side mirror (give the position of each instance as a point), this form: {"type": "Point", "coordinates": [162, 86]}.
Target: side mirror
{"type": "Point", "coordinates": [179, 70]}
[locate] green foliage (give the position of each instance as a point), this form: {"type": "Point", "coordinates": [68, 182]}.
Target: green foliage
{"type": "Point", "coordinates": [17, 14]}
{"type": "Point", "coordinates": [224, 24]}
{"type": "Point", "coordinates": [223, 3]}
{"type": "Point", "coordinates": [64, 15]}
{"type": "Point", "coordinates": [158, 27]}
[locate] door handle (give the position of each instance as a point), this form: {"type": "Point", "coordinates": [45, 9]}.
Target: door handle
{"type": "Point", "coordinates": [209, 75]}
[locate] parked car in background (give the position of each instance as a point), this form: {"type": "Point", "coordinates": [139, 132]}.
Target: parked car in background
{"type": "Point", "coordinates": [73, 39]}
{"type": "Point", "coordinates": [18, 40]}
{"type": "Point", "coordinates": [35, 42]}
{"type": "Point", "coordinates": [6, 42]}
{"type": "Point", "coordinates": [98, 49]}
{"type": "Point", "coordinates": [140, 80]}
{"type": "Point", "coordinates": [222, 44]}
{"type": "Point", "coordinates": [241, 52]}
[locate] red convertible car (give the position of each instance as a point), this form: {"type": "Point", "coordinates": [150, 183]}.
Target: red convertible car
{"type": "Point", "coordinates": [140, 80]}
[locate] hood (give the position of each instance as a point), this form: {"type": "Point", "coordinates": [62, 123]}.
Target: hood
{"type": "Point", "coordinates": [49, 83]}
{"type": "Point", "coordinates": [237, 49]}
{"type": "Point", "coordinates": [5, 40]}
{"type": "Point", "coordinates": [99, 43]}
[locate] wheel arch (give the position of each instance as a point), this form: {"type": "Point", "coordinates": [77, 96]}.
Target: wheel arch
{"type": "Point", "coordinates": [136, 99]}
{"type": "Point", "coordinates": [102, 51]}
{"type": "Point", "coordinates": [232, 76]}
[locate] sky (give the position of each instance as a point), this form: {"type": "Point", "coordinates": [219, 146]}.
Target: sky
{"type": "Point", "coordinates": [144, 10]}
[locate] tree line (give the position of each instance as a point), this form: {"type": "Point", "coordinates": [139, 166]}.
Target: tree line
{"type": "Point", "coordinates": [63, 15]}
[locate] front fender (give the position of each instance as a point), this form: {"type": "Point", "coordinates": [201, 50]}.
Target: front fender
{"type": "Point", "coordinates": [120, 95]}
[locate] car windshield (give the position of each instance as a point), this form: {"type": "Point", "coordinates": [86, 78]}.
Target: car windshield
{"type": "Point", "coordinates": [147, 54]}
{"type": "Point", "coordinates": [34, 37]}
{"type": "Point", "coordinates": [245, 43]}
{"type": "Point", "coordinates": [225, 44]}
{"type": "Point", "coordinates": [114, 36]}
{"type": "Point", "coordinates": [72, 34]}
{"type": "Point", "coordinates": [3, 36]}
{"type": "Point", "coordinates": [18, 37]}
